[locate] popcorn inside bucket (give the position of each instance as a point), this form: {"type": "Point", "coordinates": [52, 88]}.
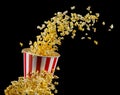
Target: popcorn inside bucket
{"type": "Point", "coordinates": [33, 62]}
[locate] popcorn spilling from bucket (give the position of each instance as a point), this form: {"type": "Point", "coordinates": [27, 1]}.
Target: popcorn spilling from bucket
{"type": "Point", "coordinates": [63, 24]}
{"type": "Point", "coordinates": [42, 54]}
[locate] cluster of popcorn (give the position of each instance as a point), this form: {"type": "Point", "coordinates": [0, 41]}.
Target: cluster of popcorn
{"type": "Point", "coordinates": [38, 84]}
{"type": "Point", "coordinates": [62, 24]}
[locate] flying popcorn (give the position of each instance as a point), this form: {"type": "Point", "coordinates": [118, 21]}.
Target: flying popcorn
{"type": "Point", "coordinates": [111, 27]}
{"type": "Point", "coordinates": [73, 7]}
{"type": "Point", "coordinates": [60, 25]}
{"type": "Point", "coordinates": [21, 44]}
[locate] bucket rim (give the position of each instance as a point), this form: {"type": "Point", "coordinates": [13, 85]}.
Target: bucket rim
{"type": "Point", "coordinates": [26, 50]}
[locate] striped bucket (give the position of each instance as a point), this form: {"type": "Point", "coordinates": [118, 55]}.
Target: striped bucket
{"type": "Point", "coordinates": [32, 63]}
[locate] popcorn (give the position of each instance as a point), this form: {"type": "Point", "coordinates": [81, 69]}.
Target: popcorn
{"type": "Point", "coordinates": [56, 77]}
{"type": "Point", "coordinates": [56, 91]}
{"type": "Point", "coordinates": [88, 8]}
{"type": "Point", "coordinates": [60, 25]}
{"type": "Point", "coordinates": [94, 29]}
{"type": "Point", "coordinates": [57, 68]}
{"type": "Point", "coordinates": [111, 27]}
{"type": "Point", "coordinates": [89, 38]}
{"type": "Point", "coordinates": [39, 84]}
{"type": "Point", "coordinates": [82, 38]}
{"type": "Point", "coordinates": [56, 83]}
{"type": "Point", "coordinates": [21, 44]}
{"type": "Point", "coordinates": [96, 42]}
{"type": "Point", "coordinates": [72, 8]}
{"type": "Point", "coordinates": [103, 23]}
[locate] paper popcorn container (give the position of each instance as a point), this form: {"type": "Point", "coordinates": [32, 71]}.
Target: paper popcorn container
{"type": "Point", "coordinates": [32, 63]}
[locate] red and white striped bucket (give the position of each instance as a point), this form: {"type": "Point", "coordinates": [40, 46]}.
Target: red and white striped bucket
{"type": "Point", "coordinates": [34, 63]}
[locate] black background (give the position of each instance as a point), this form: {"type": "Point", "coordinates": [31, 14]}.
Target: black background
{"type": "Point", "coordinates": [85, 67]}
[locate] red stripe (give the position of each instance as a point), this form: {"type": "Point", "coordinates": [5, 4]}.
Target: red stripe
{"type": "Point", "coordinates": [38, 64]}
{"type": "Point", "coordinates": [47, 63]}
{"type": "Point", "coordinates": [30, 65]}
{"type": "Point", "coordinates": [24, 63]}
{"type": "Point", "coordinates": [54, 64]}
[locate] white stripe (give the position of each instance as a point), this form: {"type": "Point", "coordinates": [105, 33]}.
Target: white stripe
{"type": "Point", "coordinates": [56, 61]}
{"type": "Point", "coordinates": [43, 62]}
{"type": "Point", "coordinates": [27, 63]}
{"type": "Point", "coordinates": [51, 63]}
{"type": "Point", "coordinates": [55, 64]}
{"type": "Point", "coordinates": [34, 63]}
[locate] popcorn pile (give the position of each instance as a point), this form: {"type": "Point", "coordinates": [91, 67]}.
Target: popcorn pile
{"type": "Point", "coordinates": [62, 24]}
{"type": "Point", "coordinates": [38, 84]}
